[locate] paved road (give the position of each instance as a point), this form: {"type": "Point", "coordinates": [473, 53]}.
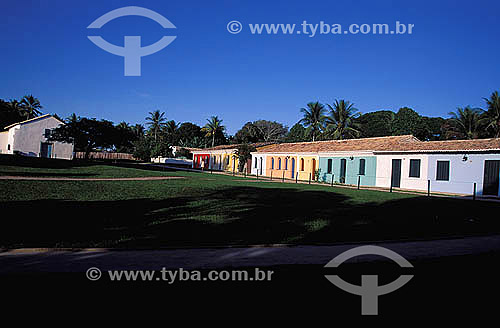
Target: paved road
{"type": "Point", "coordinates": [32, 261]}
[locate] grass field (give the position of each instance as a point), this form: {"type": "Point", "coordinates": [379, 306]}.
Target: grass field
{"type": "Point", "coordinates": [209, 209]}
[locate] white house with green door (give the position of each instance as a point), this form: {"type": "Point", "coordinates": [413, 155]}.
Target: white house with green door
{"type": "Point", "coordinates": [30, 138]}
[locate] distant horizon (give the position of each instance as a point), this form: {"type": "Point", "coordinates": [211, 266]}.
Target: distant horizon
{"type": "Point", "coordinates": [242, 77]}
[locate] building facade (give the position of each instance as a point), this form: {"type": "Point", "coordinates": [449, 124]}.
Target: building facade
{"type": "Point", "coordinates": [30, 138]}
{"type": "Point", "coordinates": [459, 167]}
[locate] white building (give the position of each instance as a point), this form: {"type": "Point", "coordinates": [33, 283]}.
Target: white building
{"type": "Point", "coordinates": [29, 138]}
{"type": "Point", "coordinates": [453, 166]}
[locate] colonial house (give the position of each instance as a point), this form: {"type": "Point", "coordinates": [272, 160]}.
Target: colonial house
{"type": "Point", "coordinates": [344, 161]}
{"type": "Point", "coordinates": [30, 138]}
{"type": "Point", "coordinates": [455, 166]}
{"type": "Point", "coordinates": [221, 158]}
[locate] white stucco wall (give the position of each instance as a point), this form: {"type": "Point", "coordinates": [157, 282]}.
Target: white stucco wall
{"type": "Point", "coordinates": [259, 170]}
{"type": "Point", "coordinates": [27, 138]}
{"type": "Point", "coordinates": [384, 171]}
{"type": "Point", "coordinates": [3, 142]}
{"type": "Point", "coordinates": [463, 174]}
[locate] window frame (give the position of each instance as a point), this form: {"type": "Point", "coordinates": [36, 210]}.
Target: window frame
{"type": "Point", "coordinates": [412, 160]}
{"type": "Point", "coordinates": [437, 170]}
{"type": "Point", "coordinates": [362, 160]}
{"type": "Point", "coordinates": [329, 166]}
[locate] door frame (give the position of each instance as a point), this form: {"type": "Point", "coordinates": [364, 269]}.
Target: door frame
{"type": "Point", "coordinates": [393, 184]}
{"type": "Point", "coordinates": [497, 179]}
{"type": "Point", "coordinates": [343, 170]}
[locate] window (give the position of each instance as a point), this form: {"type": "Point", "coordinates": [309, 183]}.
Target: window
{"type": "Point", "coordinates": [302, 164]}
{"type": "Point", "coordinates": [255, 162]}
{"type": "Point", "coordinates": [329, 166]}
{"type": "Point", "coordinates": [414, 168]}
{"type": "Point", "coordinates": [8, 147]}
{"type": "Point", "coordinates": [279, 163]}
{"type": "Point", "coordinates": [47, 133]}
{"type": "Point", "coordinates": [286, 164]}
{"type": "Point", "coordinates": [443, 171]}
{"type": "Point", "coordinates": [362, 166]}
{"type": "Point", "coordinates": [272, 163]}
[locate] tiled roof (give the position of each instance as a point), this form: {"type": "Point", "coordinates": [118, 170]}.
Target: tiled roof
{"type": "Point", "coordinates": [234, 146]}
{"type": "Point", "coordinates": [449, 145]}
{"type": "Point", "coordinates": [364, 144]}
{"type": "Point", "coordinates": [30, 120]}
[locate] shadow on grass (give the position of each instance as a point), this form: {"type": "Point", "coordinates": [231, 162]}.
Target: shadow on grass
{"type": "Point", "coordinates": [46, 174]}
{"type": "Point", "coordinates": [238, 216]}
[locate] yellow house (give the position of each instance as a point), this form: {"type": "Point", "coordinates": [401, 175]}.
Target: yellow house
{"type": "Point", "coordinates": [307, 166]}
{"type": "Point", "coordinates": [230, 162]}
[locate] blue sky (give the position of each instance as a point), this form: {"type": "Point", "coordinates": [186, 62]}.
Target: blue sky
{"type": "Point", "coordinates": [450, 59]}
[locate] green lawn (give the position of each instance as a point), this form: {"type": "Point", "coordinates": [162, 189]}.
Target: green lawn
{"type": "Point", "coordinates": [209, 209]}
{"type": "Point", "coordinates": [92, 171]}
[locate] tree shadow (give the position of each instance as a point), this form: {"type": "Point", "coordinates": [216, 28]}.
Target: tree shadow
{"type": "Point", "coordinates": [239, 216]}
{"type": "Point", "coordinates": [46, 174]}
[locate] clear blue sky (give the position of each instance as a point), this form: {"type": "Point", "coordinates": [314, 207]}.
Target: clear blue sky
{"type": "Point", "coordinates": [450, 60]}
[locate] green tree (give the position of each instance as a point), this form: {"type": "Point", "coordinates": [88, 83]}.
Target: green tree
{"type": "Point", "coordinates": [212, 128]}
{"type": "Point", "coordinates": [124, 138]}
{"type": "Point", "coordinates": [270, 130]}
{"type": "Point", "coordinates": [31, 106]}
{"type": "Point", "coordinates": [248, 134]}
{"type": "Point", "coordinates": [341, 124]}
{"type": "Point", "coordinates": [491, 118]}
{"type": "Point", "coordinates": [190, 135]}
{"type": "Point", "coordinates": [406, 121]}
{"type": "Point", "coordinates": [376, 124]}
{"type": "Point", "coordinates": [243, 152]}
{"type": "Point", "coordinates": [430, 128]}
{"type": "Point", "coordinates": [171, 130]}
{"type": "Point", "coordinates": [86, 134]}
{"type": "Point", "coordinates": [296, 134]}
{"type": "Point", "coordinates": [10, 112]}
{"type": "Point", "coordinates": [156, 121]}
{"type": "Point", "coordinates": [313, 118]}
{"type": "Point", "coordinates": [464, 123]}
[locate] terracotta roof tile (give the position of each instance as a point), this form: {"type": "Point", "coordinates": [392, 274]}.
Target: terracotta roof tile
{"type": "Point", "coordinates": [364, 144]}
{"type": "Point", "coordinates": [450, 145]}
{"type": "Point", "coordinates": [234, 146]}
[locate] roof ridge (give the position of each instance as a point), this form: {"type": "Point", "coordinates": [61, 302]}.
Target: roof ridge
{"type": "Point", "coordinates": [464, 140]}
{"type": "Point", "coordinates": [344, 140]}
{"type": "Point", "coordinates": [28, 120]}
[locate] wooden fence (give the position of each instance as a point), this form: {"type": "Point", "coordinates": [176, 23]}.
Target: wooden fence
{"type": "Point", "coordinates": [105, 155]}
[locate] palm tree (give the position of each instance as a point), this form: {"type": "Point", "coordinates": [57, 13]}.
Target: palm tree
{"type": "Point", "coordinates": [465, 123]}
{"type": "Point", "coordinates": [491, 118]}
{"type": "Point", "coordinates": [16, 107]}
{"type": "Point", "coordinates": [73, 118]}
{"type": "Point", "coordinates": [213, 127]}
{"type": "Point", "coordinates": [138, 130]}
{"type": "Point", "coordinates": [171, 130]}
{"type": "Point", "coordinates": [314, 117]}
{"type": "Point", "coordinates": [156, 122]}
{"type": "Point", "coordinates": [31, 106]}
{"type": "Point", "coordinates": [340, 124]}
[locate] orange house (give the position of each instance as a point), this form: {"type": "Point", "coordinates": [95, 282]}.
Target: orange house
{"type": "Point", "coordinates": [281, 166]}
